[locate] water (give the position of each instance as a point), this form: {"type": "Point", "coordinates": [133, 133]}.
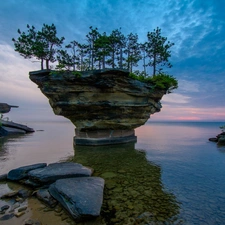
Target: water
{"type": "Point", "coordinates": [172, 175]}
{"type": "Point", "coordinates": [192, 167]}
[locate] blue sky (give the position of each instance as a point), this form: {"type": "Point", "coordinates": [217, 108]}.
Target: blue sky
{"type": "Point", "coordinates": [197, 27]}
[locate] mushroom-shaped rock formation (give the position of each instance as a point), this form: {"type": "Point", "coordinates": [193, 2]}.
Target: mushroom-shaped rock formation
{"type": "Point", "coordinates": [104, 105]}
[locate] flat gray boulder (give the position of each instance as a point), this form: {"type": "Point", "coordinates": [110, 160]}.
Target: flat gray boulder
{"type": "Point", "coordinates": [9, 124]}
{"type": "Point", "coordinates": [82, 197]}
{"type": "Point", "coordinates": [56, 171]}
{"type": "Point", "coordinates": [4, 131]}
{"type": "Point", "coordinates": [22, 172]}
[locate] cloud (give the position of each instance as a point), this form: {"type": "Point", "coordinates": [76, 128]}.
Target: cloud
{"type": "Point", "coordinates": [174, 112]}
{"type": "Point", "coordinates": [175, 98]}
{"type": "Point", "coordinates": [16, 87]}
{"type": "Point", "coordinates": [188, 86]}
{"type": "Point", "coordinates": [197, 27]}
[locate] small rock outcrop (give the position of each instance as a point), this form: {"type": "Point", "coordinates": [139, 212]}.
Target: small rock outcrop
{"type": "Point", "coordinates": [219, 139]}
{"type": "Point", "coordinates": [82, 197]}
{"type": "Point", "coordinates": [104, 105]}
{"type": "Point", "coordinates": [8, 127]}
{"type": "Point", "coordinates": [5, 108]}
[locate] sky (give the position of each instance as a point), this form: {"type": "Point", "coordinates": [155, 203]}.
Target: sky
{"type": "Point", "coordinates": [196, 27]}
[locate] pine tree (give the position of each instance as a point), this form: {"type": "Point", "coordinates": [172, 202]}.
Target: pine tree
{"type": "Point", "coordinates": [158, 50]}
{"type": "Point", "coordinates": [133, 51]}
{"type": "Point", "coordinates": [102, 49]}
{"type": "Point", "coordinates": [92, 36]}
{"type": "Point", "coordinates": [39, 44]}
{"type": "Point", "coordinates": [114, 45]}
{"type": "Point", "coordinates": [81, 54]}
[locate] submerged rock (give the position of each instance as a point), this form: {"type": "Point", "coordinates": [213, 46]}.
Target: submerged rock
{"type": "Point", "coordinates": [32, 222]}
{"type": "Point", "coordinates": [22, 172]}
{"type": "Point", "coordinates": [7, 217]}
{"type": "Point", "coordinates": [55, 171]}
{"type": "Point", "coordinates": [82, 197]}
{"type": "Point", "coordinates": [3, 209]}
{"type": "Point", "coordinates": [24, 193]}
{"type": "Point", "coordinates": [44, 195]}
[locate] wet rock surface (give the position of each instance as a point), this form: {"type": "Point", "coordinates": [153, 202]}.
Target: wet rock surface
{"type": "Point", "coordinates": [82, 197]}
{"type": "Point", "coordinates": [22, 172]}
{"type": "Point", "coordinates": [32, 222]}
{"type": "Point", "coordinates": [56, 171]}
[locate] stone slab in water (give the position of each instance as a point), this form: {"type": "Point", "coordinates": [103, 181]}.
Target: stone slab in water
{"type": "Point", "coordinates": [82, 196]}
{"type": "Point", "coordinates": [22, 172]}
{"type": "Point", "coordinates": [56, 171]}
{"type": "Point", "coordinates": [4, 131]}
{"type": "Point", "coordinates": [22, 127]}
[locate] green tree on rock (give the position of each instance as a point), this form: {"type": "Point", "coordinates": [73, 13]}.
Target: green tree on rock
{"type": "Point", "coordinates": [92, 36]}
{"type": "Point", "coordinates": [102, 49]}
{"type": "Point", "coordinates": [41, 44]}
{"type": "Point", "coordinates": [133, 51]}
{"type": "Point", "coordinates": [114, 46]}
{"type": "Point", "coordinates": [158, 50]}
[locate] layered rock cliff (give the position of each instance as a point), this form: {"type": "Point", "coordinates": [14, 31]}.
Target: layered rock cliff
{"type": "Point", "coordinates": [101, 100]}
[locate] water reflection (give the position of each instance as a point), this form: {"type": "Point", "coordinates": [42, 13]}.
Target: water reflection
{"type": "Point", "coordinates": [221, 148]}
{"type": "Point", "coordinates": [4, 142]}
{"type": "Point", "coordinates": [5, 148]}
{"type": "Point", "coordinates": [52, 144]}
{"type": "Point", "coordinates": [134, 193]}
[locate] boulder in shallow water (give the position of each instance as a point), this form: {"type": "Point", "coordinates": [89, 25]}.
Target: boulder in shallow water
{"type": "Point", "coordinates": [213, 139]}
{"type": "Point", "coordinates": [56, 171]}
{"type": "Point", "coordinates": [4, 131]}
{"type": "Point", "coordinates": [82, 196]}
{"type": "Point", "coordinates": [22, 172]}
{"type": "Point", "coordinates": [9, 124]}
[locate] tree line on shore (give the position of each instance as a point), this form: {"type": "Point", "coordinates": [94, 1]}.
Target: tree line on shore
{"type": "Point", "coordinates": [98, 52]}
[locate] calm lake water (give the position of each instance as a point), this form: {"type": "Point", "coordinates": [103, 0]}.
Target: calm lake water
{"type": "Point", "coordinates": [172, 175]}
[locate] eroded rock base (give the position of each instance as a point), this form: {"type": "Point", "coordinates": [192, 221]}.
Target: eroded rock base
{"type": "Point", "coordinates": [104, 137]}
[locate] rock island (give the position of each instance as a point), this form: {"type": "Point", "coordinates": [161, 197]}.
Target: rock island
{"type": "Point", "coordinates": [104, 105]}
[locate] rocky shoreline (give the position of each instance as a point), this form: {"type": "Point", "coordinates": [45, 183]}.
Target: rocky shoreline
{"type": "Point", "coordinates": [8, 127]}
{"type": "Point", "coordinates": [67, 184]}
